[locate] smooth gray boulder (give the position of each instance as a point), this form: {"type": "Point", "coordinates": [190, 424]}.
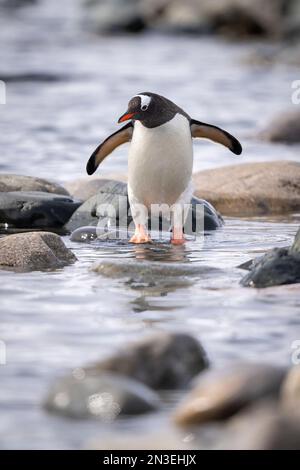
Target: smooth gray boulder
{"type": "Point", "coordinates": [35, 209]}
{"type": "Point", "coordinates": [11, 182]}
{"type": "Point", "coordinates": [161, 361]}
{"type": "Point", "coordinates": [34, 251]}
{"type": "Point", "coordinates": [277, 267]}
{"type": "Point", "coordinates": [219, 394]}
{"type": "Point", "coordinates": [105, 397]}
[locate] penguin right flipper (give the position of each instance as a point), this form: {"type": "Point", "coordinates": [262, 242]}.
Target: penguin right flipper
{"type": "Point", "coordinates": [216, 134]}
{"type": "Point", "coordinates": [108, 145]}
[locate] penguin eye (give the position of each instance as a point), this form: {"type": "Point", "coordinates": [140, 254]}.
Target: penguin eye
{"type": "Point", "coordinates": [144, 107]}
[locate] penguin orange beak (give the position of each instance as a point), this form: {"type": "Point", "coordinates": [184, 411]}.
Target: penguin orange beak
{"type": "Point", "coordinates": [126, 117]}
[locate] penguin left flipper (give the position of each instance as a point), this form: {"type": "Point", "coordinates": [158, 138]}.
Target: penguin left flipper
{"type": "Point", "coordinates": [108, 145]}
{"type": "Point", "coordinates": [216, 134]}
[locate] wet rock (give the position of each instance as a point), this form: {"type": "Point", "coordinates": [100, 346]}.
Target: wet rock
{"type": "Point", "coordinates": [11, 182]}
{"type": "Point", "coordinates": [35, 209]}
{"type": "Point", "coordinates": [284, 128]}
{"type": "Point", "coordinates": [34, 251]}
{"type": "Point", "coordinates": [130, 268]}
{"type": "Point", "coordinates": [85, 188]}
{"type": "Point", "coordinates": [277, 267]}
{"type": "Point", "coordinates": [252, 189]}
{"type": "Point", "coordinates": [263, 427]}
{"type": "Point", "coordinates": [84, 234]}
{"type": "Point", "coordinates": [104, 397]}
{"type": "Point", "coordinates": [220, 394]}
{"type": "Point", "coordinates": [110, 207]}
{"type": "Point", "coordinates": [160, 361]}
{"type": "Point", "coordinates": [290, 391]}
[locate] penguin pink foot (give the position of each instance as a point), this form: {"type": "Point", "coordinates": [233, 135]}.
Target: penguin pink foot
{"type": "Point", "coordinates": [178, 237]}
{"type": "Point", "coordinates": [140, 235]}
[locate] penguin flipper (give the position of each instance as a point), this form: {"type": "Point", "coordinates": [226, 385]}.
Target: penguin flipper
{"type": "Point", "coordinates": [108, 145]}
{"type": "Point", "coordinates": [216, 134]}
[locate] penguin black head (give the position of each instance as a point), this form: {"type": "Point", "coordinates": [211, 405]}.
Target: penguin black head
{"type": "Point", "coordinates": [151, 109]}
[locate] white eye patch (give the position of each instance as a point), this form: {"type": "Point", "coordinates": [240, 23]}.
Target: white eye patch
{"type": "Point", "coordinates": [145, 101]}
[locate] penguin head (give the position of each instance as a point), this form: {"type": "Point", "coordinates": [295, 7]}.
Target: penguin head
{"type": "Point", "coordinates": [149, 108]}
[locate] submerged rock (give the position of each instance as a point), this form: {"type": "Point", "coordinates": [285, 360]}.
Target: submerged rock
{"type": "Point", "coordinates": [11, 182]}
{"type": "Point", "coordinates": [110, 207]}
{"type": "Point", "coordinates": [284, 128]}
{"type": "Point", "coordinates": [35, 209]}
{"type": "Point", "coordinates": [34, 251]}
{"type": "Point", "coordinates": [131, 268]}
{"type": "Point", "coordinates": [220, 394]}
{"type": "Point", "coordinates": [263, 427]}
{"type": "Point", "coordinates": [277, 267]}
{"type": "Point", "coordinates": [160, 361]}
{"type": "Point", "coordinates": [252, 189]}
{"type": "Point", "coordinates": [104, 397]}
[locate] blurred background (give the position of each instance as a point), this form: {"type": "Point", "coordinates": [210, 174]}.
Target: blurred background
{"type": "Point", "coordinates": [70, 68]}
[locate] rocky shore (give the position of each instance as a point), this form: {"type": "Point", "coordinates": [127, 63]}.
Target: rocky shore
{"type": "Point", "coordinates": [241, 398]}
{"type": "Point", "coordinates": [132, 381]}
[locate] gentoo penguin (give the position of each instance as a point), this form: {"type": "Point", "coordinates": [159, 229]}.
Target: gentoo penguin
{"type": "Point", "coordinates": [160, 158]}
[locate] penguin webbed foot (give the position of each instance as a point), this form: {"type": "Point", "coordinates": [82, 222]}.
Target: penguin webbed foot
{"type": "Point", "coordinates": [140, 235]}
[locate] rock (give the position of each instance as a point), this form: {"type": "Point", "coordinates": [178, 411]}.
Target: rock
{"type": "Point", "coordinates": [290, 391]}
{"type": "Point", "coordinates": [130, 268]}
{"type": "Point", "coordinates": [278, 266]}
{"type": "Point", "coordinates": [34, 209]}
{"type": "Point", "coordinates": [84, 234]}
{"type": "Point", "coordinates": [10, 182]}
{"type": "Point", "coordinates": [243, 18]}
{"type": "Point", "coordinates": [160, 361]}
{"type": "Point", "coordinates": [110, 207]}
{"type": "Point", "coordinates": [263, 427]}
{"type": "Point", "coordinates": [237, 18]}
{"type": "Point", "coordinates": [99, 209]}
{"type": "Point", "coordinates": [111, 16]}
{"type": "Point", "coordinates": [285, 128]}
{"type": "Point", "coordinates": [295, 248]}
{"type": "Point", "coordinates": [219, 394]}
{"type": "Point", "coordinates": [34, 251]}
{"type": "Point", "coordinates": [104, 397]}
{"type": "Point", "coordinates": [252, 189]}
{"type": "Point", "coordinates": [85, 188]}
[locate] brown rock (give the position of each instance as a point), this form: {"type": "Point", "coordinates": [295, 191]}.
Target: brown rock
{"type": "Point", "coordinates": [290, 391]}
{"type": "Point", "coordinates": [34, 251]}
{"type": "Point", "coordinates": [220, 394]}
{"type": "Point", "coordinates": [251, 189]}
{"type": "Point", "coordinates": [84, 188]}
{"type": "Point", "coordinates": [10, 182]}
{"type": "Point", "coordinates": [284, 128]}
{"type": "Point", "coordinates": [161, 361]}
{"type": "Point", "coordinates": [263, 427]}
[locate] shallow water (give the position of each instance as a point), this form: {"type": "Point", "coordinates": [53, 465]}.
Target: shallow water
{"type": "Point", "coordinates": [54, 321]}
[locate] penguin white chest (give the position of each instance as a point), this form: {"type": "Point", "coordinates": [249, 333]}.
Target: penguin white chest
{"type": "Point", "coordinates": [160, 161]}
